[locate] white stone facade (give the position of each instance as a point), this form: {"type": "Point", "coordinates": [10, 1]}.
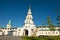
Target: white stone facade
{"type": "Point", "coordinates": [28, 29]}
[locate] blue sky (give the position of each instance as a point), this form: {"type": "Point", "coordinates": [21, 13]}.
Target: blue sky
{"type": "Point", "coordinates": [16, 10]}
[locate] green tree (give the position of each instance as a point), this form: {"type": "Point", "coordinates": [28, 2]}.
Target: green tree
{"type": "Point", "coordinates": [58, 17]}
{"type": "Point", "coordinates": [48, 20]}
{"type": "Point", "coordinates": [58, 29]}
{"type": "Point", "coordinates": [51, 26]}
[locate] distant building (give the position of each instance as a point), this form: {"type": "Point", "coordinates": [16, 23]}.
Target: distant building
{"type": "Point", "coordinates": [28, 29]}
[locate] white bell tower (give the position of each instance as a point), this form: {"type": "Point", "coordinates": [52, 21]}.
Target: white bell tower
{"type": "Point", "coordinates": [29, 19]}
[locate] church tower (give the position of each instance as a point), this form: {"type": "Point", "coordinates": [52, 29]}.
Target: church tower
{"type": "Point", "coordinates": [9, 24]}
{"type": "Point", "coordinates": [29, 19]}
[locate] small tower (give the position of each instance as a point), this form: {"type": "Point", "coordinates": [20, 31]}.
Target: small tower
{"type": "Point", "coordinates": [9, 24]}
{"type": "Point", "coordinates": [29, 19]}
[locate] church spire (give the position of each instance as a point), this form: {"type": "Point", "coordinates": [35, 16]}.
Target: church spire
{"type": "Point", "coordinates": [9, 24]}
{"type": "Point", "coordinates": [29, 9]}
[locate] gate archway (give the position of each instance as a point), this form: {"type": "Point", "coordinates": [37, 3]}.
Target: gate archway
{"type": "Point", "coordinates": [26, 32]}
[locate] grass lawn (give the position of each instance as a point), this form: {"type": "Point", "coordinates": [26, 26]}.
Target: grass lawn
{"type": "Point", "coordinates": [41, 38]}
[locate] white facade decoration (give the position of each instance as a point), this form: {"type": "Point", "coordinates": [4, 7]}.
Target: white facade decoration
{"type": "Point", "coordinates": [28, 29]}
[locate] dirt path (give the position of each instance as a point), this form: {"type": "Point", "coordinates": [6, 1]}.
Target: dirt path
{"type": "Point", "coordinates": [10, 38]}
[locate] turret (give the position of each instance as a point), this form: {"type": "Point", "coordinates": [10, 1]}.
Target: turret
{"type": "Point", "coordinates": [9, 24]}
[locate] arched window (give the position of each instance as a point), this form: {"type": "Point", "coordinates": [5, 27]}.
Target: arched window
{"type": "Point", "coordinates": [32, 29]}
{"type": "Point", "coordinates": [56, 32]}
{"type": "Point", "coordinates": [19, 29]}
